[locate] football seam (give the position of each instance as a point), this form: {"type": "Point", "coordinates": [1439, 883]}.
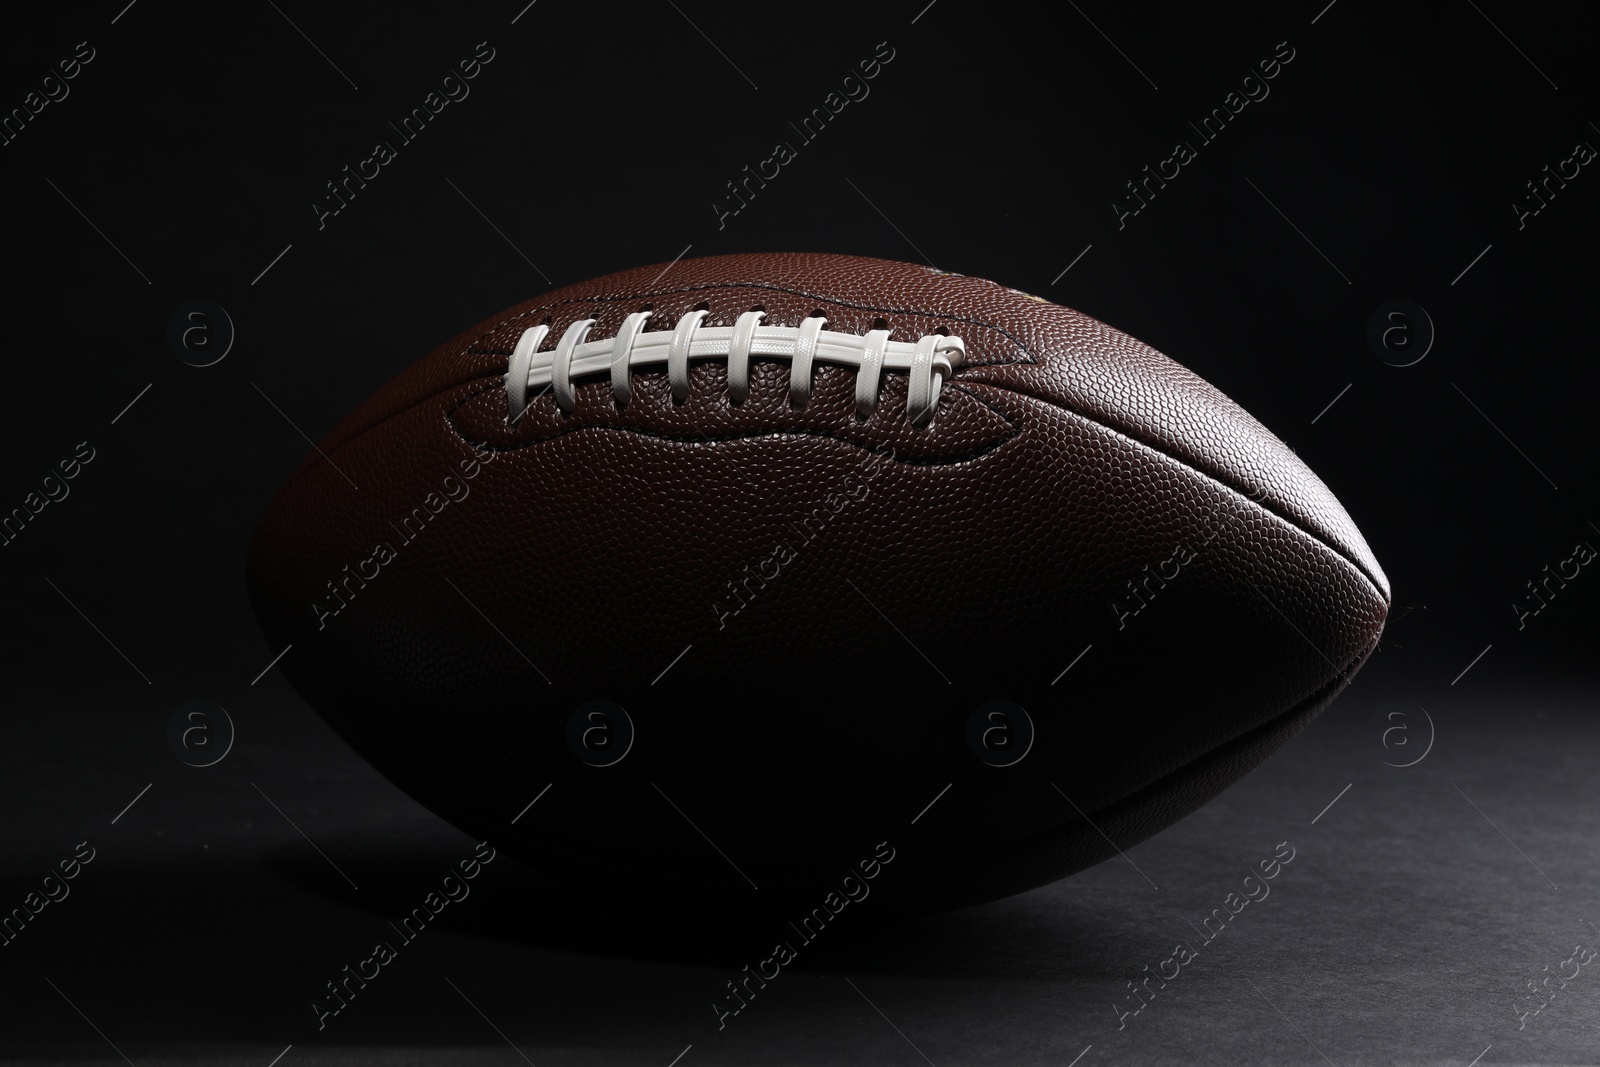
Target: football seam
{"type": "Point", "coordinates": [1215, 476]}
{"type": "Point", "coordinates": [472, 348]}
{"type": "Point", "coordinates": [955, 381]}
{"type": "Point", "coordinates": [491, 382]}
{"type": "Point", "coordinates": [490, 385]}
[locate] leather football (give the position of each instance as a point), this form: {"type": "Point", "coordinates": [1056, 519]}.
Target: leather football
{"type": "Point", "coordinates": [748, 566]}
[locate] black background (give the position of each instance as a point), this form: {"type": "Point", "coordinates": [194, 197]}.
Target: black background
{"type": "Point", "coordinates": [1384, 163]}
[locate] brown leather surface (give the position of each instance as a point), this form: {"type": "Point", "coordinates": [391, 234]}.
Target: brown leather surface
{"type": "Point", "coordinates": [983, 554]}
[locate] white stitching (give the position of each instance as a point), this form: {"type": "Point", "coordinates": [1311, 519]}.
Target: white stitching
{"type": "Point", "coordinates": [805, 348]}
{"type": "Point", "coordinates": [517, 373]}
{"type": "Point", "coordinates": [871, 369]}
{"type": "Point", "coordinates": [923, 393]}
{"type": "Point", "coordinates": [744, 331]}
{"type": "Point", "coordinates": [678, 354]}
{"type": "Point", "coordinates": [622, 353]}
{"type": "Point", "coordinates": [561, 364]}
{"type": "Point", "coordinates": [929, 362]}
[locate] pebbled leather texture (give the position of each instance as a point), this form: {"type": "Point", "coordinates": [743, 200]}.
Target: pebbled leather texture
{"type": "Point", "coordinates": [800, 610]}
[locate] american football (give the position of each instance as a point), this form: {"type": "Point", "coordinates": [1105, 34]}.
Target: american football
{"type": "Point", "coordinates": [728, 572]}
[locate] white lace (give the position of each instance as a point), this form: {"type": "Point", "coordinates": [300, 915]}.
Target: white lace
{"type": "Point", "coordinates": [929, 361]}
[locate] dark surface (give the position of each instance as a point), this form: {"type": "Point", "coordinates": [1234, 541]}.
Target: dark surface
{"type": "Point", "coordinates": [1402, 931]}
{"type": "Point", "coordinates": [1385, 164]}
